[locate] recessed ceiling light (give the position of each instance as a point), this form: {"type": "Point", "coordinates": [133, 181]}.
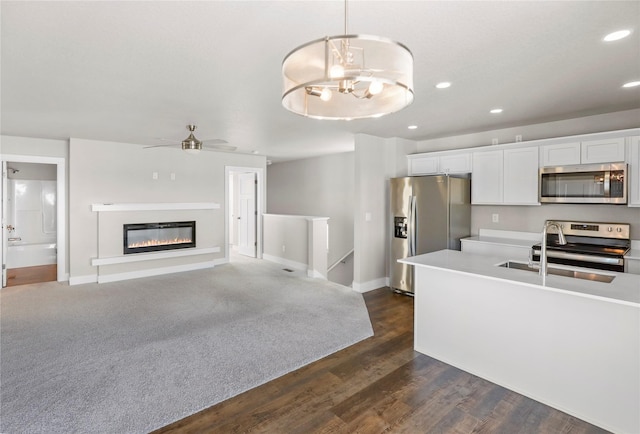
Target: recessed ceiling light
{"type": "Point", "coordinates": [412, 127]}
{"type": "Point", "coordinates": [443, 85]}
{"type": "Point", "coordinates": [495, 111]}
{"type": "Point", "coordinates": [615, 36]}
{"type": "Point", "coordinates": [631, 84]}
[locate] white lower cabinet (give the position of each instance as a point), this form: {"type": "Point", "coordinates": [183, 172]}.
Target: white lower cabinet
{"type": "Point", "coordinates": [505, 177]}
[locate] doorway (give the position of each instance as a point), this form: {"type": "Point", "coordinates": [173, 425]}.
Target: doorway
{"type": "Point", "coordinates": [244, 207]}
{"type": "Point", "coordinates": [33, 220]}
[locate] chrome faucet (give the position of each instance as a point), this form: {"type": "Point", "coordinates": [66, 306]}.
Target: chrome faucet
{"type": "Point", "coordinates": [543, 250]}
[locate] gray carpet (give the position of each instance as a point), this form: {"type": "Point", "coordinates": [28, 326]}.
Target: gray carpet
{"type": "Point", "coordinates": [130, 357]}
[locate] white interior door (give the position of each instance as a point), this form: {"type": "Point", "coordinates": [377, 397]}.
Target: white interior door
{"type": "Point", "coordinates": [5, 233]}
{"type": "Point", "coordinates": [247, 217]}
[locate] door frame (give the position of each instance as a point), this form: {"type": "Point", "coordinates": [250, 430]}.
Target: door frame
{"type": "Point", "coordinates": [61, 208]}
{"type": "Point", "coordinates": [260, 201]}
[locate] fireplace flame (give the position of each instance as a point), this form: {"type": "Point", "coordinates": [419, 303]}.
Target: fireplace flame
{"type": "Point", "coordinates": [149, 243]}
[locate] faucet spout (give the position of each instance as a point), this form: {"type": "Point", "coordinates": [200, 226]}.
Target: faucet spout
{"type": "Point", "coordinates": [543, 250]}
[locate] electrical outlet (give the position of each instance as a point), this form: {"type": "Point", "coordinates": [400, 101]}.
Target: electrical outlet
{"type": "Point", "coordinates": [154, 175]}
{"type": "Point", "coordinates": [494, 141]}
{"type": "Point", "coordinates": [495, 218]}
{"type": "Point", "coordinates": [283, 248]}
{"type": "Point", "coordinates": [173, 176]}
{"type": "Point", "coordinates": [519, 138]}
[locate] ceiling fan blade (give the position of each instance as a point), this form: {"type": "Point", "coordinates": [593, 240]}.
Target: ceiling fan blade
{"type": "Point", "coordinates": [218, 147]}
{"type": "Point", "coordinates": [160, 146]}
{"type": "Point", "coordinates": [214, 141]}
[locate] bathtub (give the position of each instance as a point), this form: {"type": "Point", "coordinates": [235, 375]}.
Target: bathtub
{"type": "Point", "coordinates": [29, 255]}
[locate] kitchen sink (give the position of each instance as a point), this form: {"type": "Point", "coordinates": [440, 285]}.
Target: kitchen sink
{"type": "Point", "coordinates": [597, 277]}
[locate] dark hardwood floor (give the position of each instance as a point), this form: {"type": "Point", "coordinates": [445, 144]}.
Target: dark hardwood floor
{"type": "Point", "coordinates": [35, 274]}
{"type": "Point", "coordinates": [381, 385]}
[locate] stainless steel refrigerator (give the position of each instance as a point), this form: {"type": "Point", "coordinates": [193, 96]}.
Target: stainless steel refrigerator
{"type": "Point", "coordinates": [428, 213]}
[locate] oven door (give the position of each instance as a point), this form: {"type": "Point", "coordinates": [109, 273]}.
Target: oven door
{"type": "Point", "coordinates": [595, 183]}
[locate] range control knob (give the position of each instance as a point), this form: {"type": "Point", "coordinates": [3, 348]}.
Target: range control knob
{"type": "Point", "coordinates": [619, 229]}
{"type": "Point", "coordinates": [610, 229]}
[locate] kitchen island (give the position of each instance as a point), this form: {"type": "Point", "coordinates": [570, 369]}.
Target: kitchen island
{"type": "Point", "coordinates": [573, 344]}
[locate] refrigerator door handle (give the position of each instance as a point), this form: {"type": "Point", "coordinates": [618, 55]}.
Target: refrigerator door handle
{"type": "Point", "coordinates": [411, 232]}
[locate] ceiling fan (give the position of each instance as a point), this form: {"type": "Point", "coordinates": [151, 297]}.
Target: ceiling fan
{"type": "Point", "coordinates": [192, 144]}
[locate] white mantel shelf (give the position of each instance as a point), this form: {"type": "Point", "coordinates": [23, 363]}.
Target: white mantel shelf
{"type": "Point", "coordinates": [101, 207]}
{"type": "Point", "coordinates": [151, 256]}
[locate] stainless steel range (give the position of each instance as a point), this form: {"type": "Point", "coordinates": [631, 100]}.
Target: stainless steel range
{"type": "Point", "coordinates": [589, 244]}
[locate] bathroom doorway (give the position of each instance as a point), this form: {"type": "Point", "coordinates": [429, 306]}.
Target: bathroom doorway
{"type": "Point", "coordinates": [31, 220]}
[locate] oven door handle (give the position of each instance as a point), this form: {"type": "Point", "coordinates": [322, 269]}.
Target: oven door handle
{"type": "Point", "coordinates": [580, 257]}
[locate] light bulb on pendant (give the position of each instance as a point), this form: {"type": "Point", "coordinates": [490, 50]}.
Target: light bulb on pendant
{"type": "Point", "coordinates": [325, 95]}
{"type": "Point", "coordinates": [375, 87]}
{"type": "Point", "coordinates": [336, 71]}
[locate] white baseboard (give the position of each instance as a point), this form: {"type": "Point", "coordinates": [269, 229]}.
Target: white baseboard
{"type": "Point", "coordinates": [286, 262]}
{"type": "Point", "coordinates": [154, 272]}
{"type": "Point", "coordinates": [63, 278]}
{"type": "Point", "coordinates": [315, 274]}
{"type": "Point", "coordinates": [80, 280]}
{"type": "Point", "coordinates": [370, 285]}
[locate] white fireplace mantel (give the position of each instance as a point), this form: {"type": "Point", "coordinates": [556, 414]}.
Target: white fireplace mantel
{"type": "Point", "coordinates": [152, 256]}
{"type": "Point", "coordinates": [101, 207]}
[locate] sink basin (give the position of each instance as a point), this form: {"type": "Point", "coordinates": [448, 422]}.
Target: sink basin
{"type": "Point", "coordinates": [597, 277]}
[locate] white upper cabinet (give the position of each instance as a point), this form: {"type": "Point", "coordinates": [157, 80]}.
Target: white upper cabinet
{"type": "Point", "coordinates": [423, 165]}
{"type": "Point", "coordinates": [585, 152]}
{"type": "Point", "coordinates": [505, 177]}
{"type": "Point", "coordinates": [633, 182]}
{"type": "Point", "coordinates": [521, 176]}
{"type": "Point", "coordinates": [602, 151]}
{"type": "Point", "coordinates": [456, 163]}
{"type": "Point", "coordinates": [434, 165]}
{"type": "Point", "coordinates": [561, 155]}
{"type": "Point", "coordinates": [487, 178]}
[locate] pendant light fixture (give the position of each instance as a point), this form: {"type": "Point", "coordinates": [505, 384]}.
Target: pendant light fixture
{"type": "Point", "coordinates": [348, 77]}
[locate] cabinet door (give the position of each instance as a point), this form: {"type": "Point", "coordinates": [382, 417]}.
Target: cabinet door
{"type": "Point", "coordinates": [423, 166]}
{"type": "Point", "coordinates": [633, 181]}
{"type": "Point", "coordinates": [560, 155]}
{"type": "Point", "coordinates": [487, 178]}
{"type": "Point", "coordinates": [521, 176]}
{"type": "Point", "coordinates": [457, 163]}
{"type": "Point", "coordinates": [603, 151]}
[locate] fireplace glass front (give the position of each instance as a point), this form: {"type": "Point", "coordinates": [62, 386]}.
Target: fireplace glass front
{"type": "Point", "coordinates": [153, 237]}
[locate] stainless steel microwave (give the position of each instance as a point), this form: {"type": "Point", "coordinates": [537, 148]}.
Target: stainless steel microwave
{"type": "Point", "coordinates": [584, 183]}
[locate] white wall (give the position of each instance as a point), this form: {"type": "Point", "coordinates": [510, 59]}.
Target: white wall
{"type": "Point", "coordinates": [321, 186]}
{"type": "Point", "coordinates": [106, 172]}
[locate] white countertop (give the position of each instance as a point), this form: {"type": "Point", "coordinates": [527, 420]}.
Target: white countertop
{"type": "Point", "coordinates": [633, 254]}
{"type": "Point", "coordinates": [624, 289]}
{"type": "Point", "coordinates": [515, 242]}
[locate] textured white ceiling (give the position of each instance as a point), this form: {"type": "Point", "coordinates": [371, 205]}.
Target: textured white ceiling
{"type": "Point", "coordinates": [138, 71]}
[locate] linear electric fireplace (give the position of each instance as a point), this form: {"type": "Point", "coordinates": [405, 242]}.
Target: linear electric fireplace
{"type": "Point", "coordinates": [153, 237]}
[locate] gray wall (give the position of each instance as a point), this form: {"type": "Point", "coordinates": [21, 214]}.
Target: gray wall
{"type": "Point", "coordinates": [531, 218]}
{"type": "Point", "coordinates": [321, 186]}
{"type": "Point", "coordinates": [589, 124]}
